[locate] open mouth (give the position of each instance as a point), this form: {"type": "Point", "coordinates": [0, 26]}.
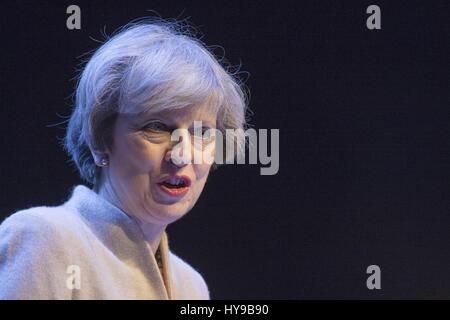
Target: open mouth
{"type": "Point", "coordinates": [175, 185]}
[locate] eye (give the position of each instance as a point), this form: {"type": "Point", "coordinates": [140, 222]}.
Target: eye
{"type": "Point", "coordinates": [207, 135]}
{"type": "Point", "coordinates": [156, 126]}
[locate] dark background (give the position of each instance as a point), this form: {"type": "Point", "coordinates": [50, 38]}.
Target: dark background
{"type": "Point", "coordinates": [364, 140]}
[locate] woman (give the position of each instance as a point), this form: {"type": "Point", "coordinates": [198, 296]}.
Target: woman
{"type": "Point", "coordinates": [109, 242]}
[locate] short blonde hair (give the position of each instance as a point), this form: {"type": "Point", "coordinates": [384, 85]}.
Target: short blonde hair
{"type": "Point", "coordinates": [148, 65]}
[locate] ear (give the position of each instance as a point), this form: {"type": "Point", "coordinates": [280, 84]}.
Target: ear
{"type": "Point", "coordinates": [99, 156]}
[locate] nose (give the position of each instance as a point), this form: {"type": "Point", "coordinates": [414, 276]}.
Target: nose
{"type": "Point", "coordinates": [180, 154]}
{"type": "Point", "coordinates": [178, 163]}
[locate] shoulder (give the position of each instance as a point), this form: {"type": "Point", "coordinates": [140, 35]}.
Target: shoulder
{"type": "Point", "coordinates": [185, 276]}
{"type": "Point", "coordinates": [35, 250]}
{"type": "Point", "coordinates": [41, 223]}
{"type": "Point", "coordinates": [41, 233]}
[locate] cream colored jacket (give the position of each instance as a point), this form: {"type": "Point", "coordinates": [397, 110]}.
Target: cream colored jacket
{"type": "Point", "coordinates": [87, 248]}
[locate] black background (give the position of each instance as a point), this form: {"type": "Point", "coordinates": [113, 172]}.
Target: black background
{"type": "Point", "coordinates": [364, 140]}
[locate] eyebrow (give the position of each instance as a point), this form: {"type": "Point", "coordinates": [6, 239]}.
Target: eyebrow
{"type": "Point", "coordinates": [160, 116]}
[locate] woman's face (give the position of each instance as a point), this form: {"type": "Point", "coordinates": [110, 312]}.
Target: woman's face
{"type": "Point", "coordinates": [139, 161]}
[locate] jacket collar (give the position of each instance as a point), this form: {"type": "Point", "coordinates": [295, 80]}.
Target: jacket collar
{"type": "Point", "coordinates": [122, 235]}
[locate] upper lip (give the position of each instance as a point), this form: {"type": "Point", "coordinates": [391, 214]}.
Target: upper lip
{"type": "Point", "coordinates": [186, 179]}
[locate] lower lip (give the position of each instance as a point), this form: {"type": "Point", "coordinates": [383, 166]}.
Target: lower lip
{"type": "Point", "coordinates": [174, 192]}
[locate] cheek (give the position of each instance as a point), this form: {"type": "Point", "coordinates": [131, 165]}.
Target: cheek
{"type": "Point", "coordinates": [202, 169]}
{"type": "Point", "coordinates": [207, 153]}
{"type": "Point", "coordinates": [140, 156]}
{"type": "Point", "coordinates": [202, 173]}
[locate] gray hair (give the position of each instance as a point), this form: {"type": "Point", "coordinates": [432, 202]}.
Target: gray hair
{"type": "Point", "coordinates": [148, 65]}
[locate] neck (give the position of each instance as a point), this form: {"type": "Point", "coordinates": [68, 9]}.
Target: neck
{"type": "Point", "coordinates": [152, 232]}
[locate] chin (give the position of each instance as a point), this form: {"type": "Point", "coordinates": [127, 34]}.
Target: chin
{"type": "Point", "coordinates": [173, 212]}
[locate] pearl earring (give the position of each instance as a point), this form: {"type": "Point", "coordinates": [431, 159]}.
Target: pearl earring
{"type": "Point", "coordinates": [103, 162]}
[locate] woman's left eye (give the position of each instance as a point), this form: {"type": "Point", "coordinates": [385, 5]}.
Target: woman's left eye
{"type": "Point", "coordinates": [205, 134]}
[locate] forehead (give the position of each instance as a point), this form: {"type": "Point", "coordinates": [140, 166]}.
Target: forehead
{"type": "Point", "coordinates": [187, 114]}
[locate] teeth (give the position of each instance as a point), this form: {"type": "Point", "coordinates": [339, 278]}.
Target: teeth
{"type": "Point", "coordinates": [175, 181]}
